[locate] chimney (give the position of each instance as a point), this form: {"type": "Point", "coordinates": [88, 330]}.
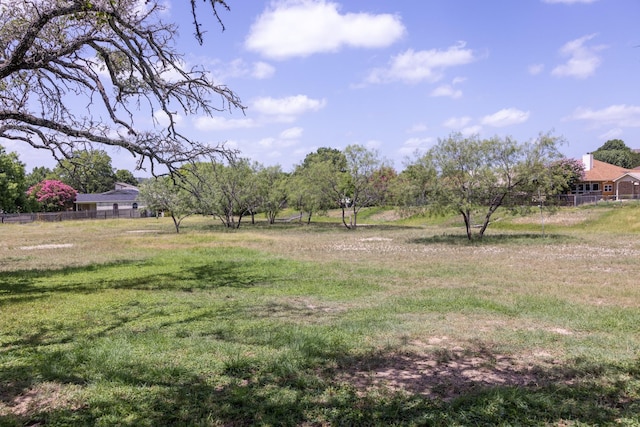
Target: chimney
{"type": "Point", "coordinates": [587, 160]}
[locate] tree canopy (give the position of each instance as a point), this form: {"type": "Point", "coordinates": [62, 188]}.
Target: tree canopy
{"type": "Point", "coordinates": [12, 182]}
{"type": "Point", "coordinates": [616, 152]}
{"type": "Point", "coordinates": [76, 73]}
{"type": "Point", "coordinates": [475, 177]}
{"type": "Point", "coordinates": [88, 171]}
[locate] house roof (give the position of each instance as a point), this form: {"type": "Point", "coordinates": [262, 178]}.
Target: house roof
{"type": "Point", "coordinates": [113, 196]}
{"type": "Point", "coordinates": [634, 175]}
{"type": "Point", "coordinates": [601, 171]}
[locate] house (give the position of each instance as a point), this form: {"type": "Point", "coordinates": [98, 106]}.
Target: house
{"type": "Point", "coordinates": [628, 185]}
{"type": "Point", "coordinates": [122, 197]}
{"type": "Point", "coordinates": [604, 181]}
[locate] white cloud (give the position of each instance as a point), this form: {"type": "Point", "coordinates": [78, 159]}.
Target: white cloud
{"type": "Point", "coordinates": [262, 70]}
{"type": "Point", "coordinates": [239, 68]}
{"type": "Point", "coordinates": [471, 130]}
{"type": "Point", "coordinates": [506, 117]}
{"type": "Point", "coordinates": [287, 109]}
{"type": "Point", "coordinates": [413, 145]}
{"type": "Point", "coordinates": [535, 69]}
{"type": "Point", "coordinates": [614, 115]}
{"type": "Point", "coordinates": [569, 1]}
{"type": "Point", "coordinates": [448, 91]}
{"type": "Point", "coordinates": [299, 28]}
{"type": "Point", "coordinates": [203, 123]}
{"type": "Point", "coordinates": [583, 60]}
{"type": "Point", "coordinates": [457, 122]}
{"type": "Point", "coordinates": [416, 66]}
{"type": "Point", "coordinates": [291, 133]}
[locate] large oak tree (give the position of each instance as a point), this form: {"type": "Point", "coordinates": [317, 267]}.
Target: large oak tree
{"type": "Point", "coordinates": [81, 72]}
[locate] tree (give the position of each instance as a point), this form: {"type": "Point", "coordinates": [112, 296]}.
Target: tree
{"type": "Point", "coordinates": [565, 173]}
{"type": "Point", "coordinates": [226, 191]}
{"type": "Point", "coordinates": [12, 182]}
{"type": "Point", "coordinates": [53, 195]}
{"type": "Point", "coordinates": [480, 176]}
{"type": "Point", "coordinates": [74, 73]}
{"type": "Point", "coordinates": [272, 191]}
{"type": "Point", "coordinates": [125, 176]}
{"type": "Point", "coordinates": [88, 171]}
{"type": "Point", "coordinates": [39, 174]}
{"type": "Point", "coordinates": [315, 184]}
{"type": "Point", "coordinates": [162, 194]}
{"type": "Point", "coordinates": [363, 187]}
{"type": "Point", "coordinates": [616, 152]}
{"type": "Point", "coordinates": [411, 189]}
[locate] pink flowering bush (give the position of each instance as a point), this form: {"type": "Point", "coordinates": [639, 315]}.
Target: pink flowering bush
{"type": "Point", "coordinates": [53, 195]}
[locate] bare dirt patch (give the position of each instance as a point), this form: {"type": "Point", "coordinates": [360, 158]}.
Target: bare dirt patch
{"type": "Point", "coordinates": [447, 374]}
{"type": "Point", "coordinates": [48, 246]}
{"type": "Point", "coordinates": [45, 397]}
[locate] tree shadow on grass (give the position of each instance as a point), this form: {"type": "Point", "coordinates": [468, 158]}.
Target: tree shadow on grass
{"type": "Point", "coordinates": [30, 285]}
{"type": "Point", "coordinates": [325, 384]}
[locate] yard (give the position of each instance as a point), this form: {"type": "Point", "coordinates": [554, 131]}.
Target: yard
{"type": "Point", "coordinates": [123, 322]}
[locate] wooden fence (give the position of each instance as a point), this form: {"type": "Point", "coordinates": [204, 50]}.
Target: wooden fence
{"type": "Point", "coordinates": [71, 215]}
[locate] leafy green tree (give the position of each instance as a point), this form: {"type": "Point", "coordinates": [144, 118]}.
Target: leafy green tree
{"type": "Point", "coordinates": [616, 152]}
{"type": "Point", "coordinates": [162, 194]}
{"type": "Point", "coordinates": [315, 184]}
{"type": "Point", "coordinates": [411, 189]}
{"type": "Point", "coordinates": [12, 183]}
{"type": "Point", "coordinates": [333, 155]}
{"type": "Point", "coordinates": [119, 62]}
{"type": "Point", "coordinates": [125, 176]}
{"type": "Point", "coordinates": [39, 174]}
{"type": "Point", "coordinates": [477, 176]}
{"type": "Point", "coordinates": [88, 171]}
{"type": "Point", "coordinates": [565, 173]}
{"type": "Point", "coordinates": [365, 181]}
{"type": "Point", "coordinates": [272, 185]}
{"type": "Point", "coordinates": [226, 191]}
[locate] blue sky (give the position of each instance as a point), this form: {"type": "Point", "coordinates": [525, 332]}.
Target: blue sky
{"type": "Point", "coordinates": [397, 75]}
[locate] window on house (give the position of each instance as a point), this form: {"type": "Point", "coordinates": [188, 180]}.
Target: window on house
{"type": "Point", "coordinates": [608, 188]}
{"type": "Point", "coordinates": [595, 187]}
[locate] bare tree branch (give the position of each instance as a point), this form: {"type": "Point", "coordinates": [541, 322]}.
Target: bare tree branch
{"type": "Point", "coordinates": [116, 56]}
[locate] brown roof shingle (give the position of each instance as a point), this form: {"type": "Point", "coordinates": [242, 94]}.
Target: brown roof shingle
{"type": "Point", "coordinates": [602, 171]}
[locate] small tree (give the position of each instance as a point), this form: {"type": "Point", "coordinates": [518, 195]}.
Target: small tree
{"type": "Point", "coordinates": [162, 194]}
{"type": "Point", "coordinates": [272, 190]}
{"type": "Point", "coordinates": [365, 181]}
{"type": "Point", "coordinates": [53, 195]}
{"type": "Point", "coordinates": [477, 176]}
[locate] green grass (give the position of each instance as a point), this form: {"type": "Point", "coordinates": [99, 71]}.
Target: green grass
{"type": "Point", "coordinates": [316, 325]}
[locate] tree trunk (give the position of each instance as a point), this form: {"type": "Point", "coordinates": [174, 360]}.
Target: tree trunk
{"type": "Point", "coordinates": [176, 223]}
{"type": "Point", "coordinates": [467, 222]}
{"type": "Point", "coordinates": [344, 220]}
{"type": "Point", "coordinates": [494, 207]}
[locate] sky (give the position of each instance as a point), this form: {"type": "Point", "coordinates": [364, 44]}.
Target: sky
{"type": "Point", "coordinates": [397, 76]}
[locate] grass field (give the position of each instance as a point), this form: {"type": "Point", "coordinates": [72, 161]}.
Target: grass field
{"type": "Point", "coordinates": [400, 322]}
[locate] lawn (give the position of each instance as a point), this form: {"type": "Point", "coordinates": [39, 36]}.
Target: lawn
{"type": "Point", "coordinates": [400, 322]}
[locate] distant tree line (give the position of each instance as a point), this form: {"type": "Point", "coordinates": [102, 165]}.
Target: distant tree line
{"type": "Point", "coordinates": [466, 175]}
